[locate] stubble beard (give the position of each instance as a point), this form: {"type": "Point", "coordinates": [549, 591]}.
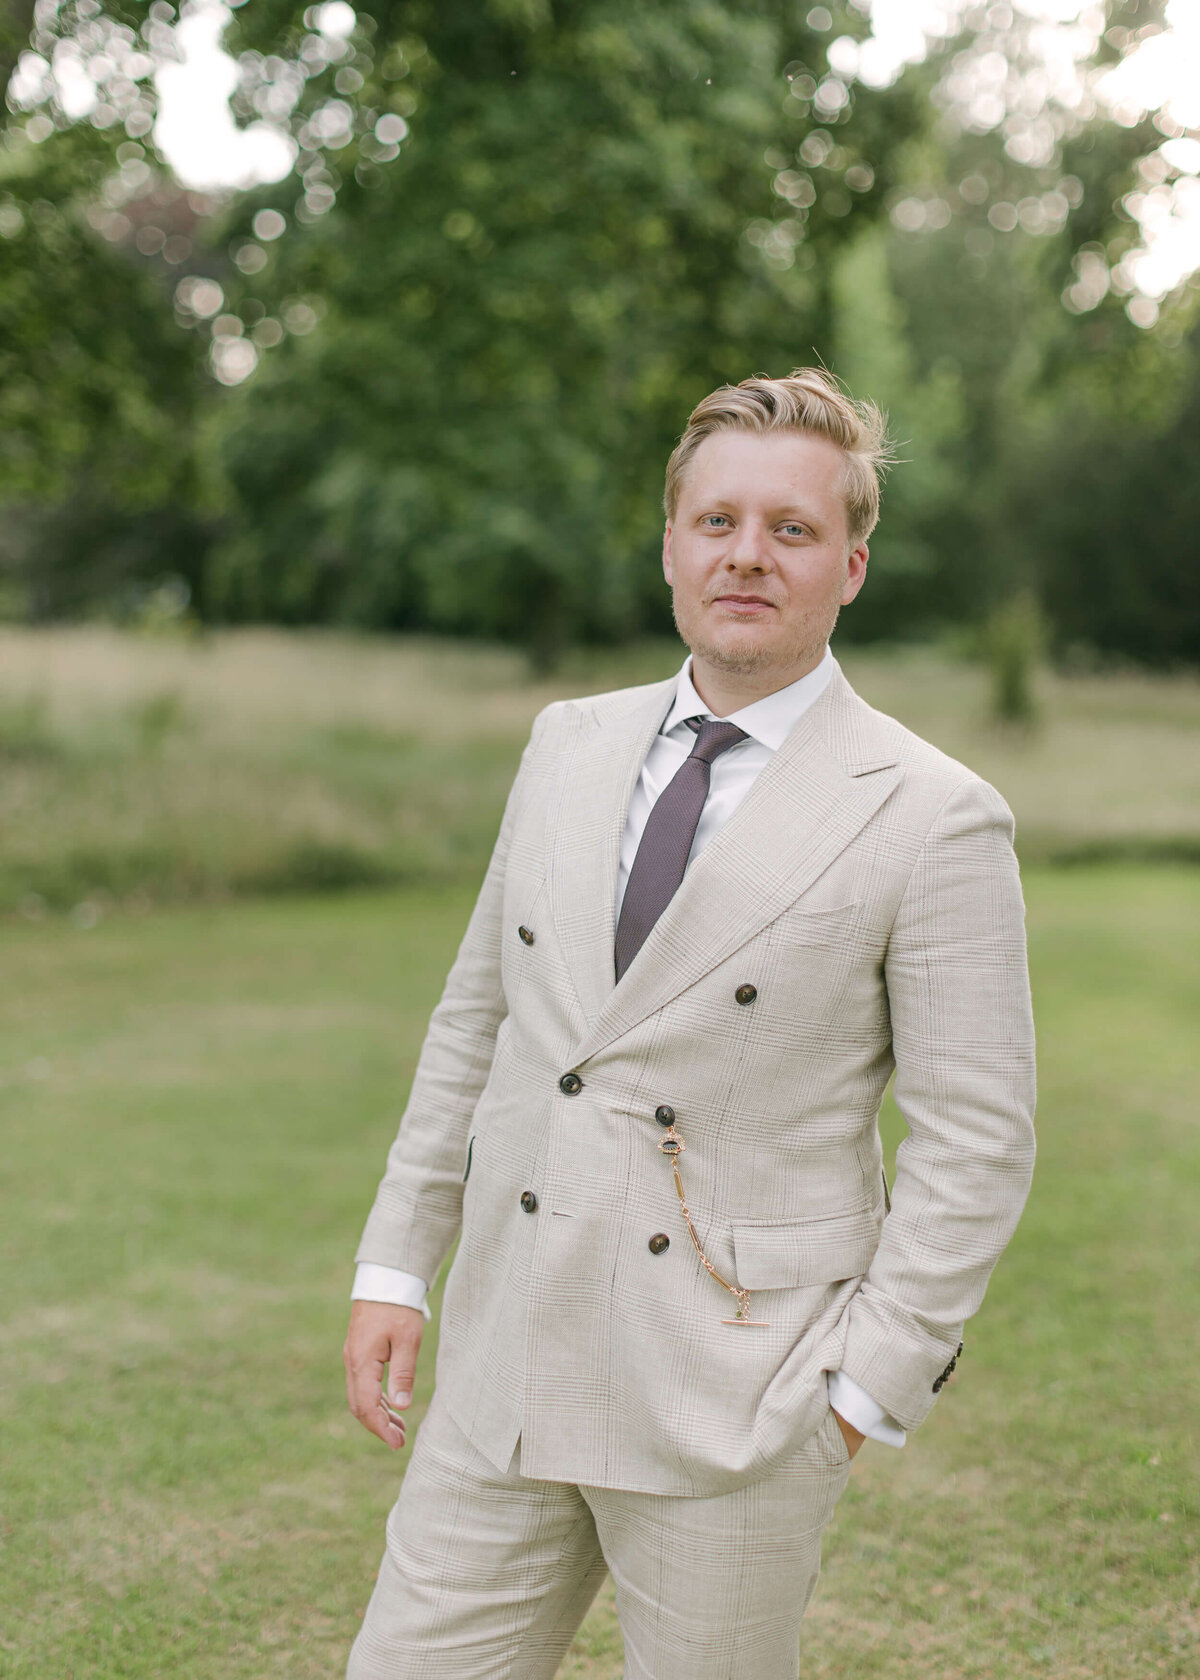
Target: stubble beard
{"type": "Point", "coordinates": [744, 657]}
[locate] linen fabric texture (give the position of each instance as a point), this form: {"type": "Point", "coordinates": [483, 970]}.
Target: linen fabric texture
{"type": "Point", "coordinates": [867, 889]}
{"type": "Point", "coordinates": [488, 1573]}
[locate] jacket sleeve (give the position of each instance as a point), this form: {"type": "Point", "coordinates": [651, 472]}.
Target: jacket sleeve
{"type": "Point", "coordinates": [962, 1036]}
{"type": "Point", "coordinates": [418, 1207]}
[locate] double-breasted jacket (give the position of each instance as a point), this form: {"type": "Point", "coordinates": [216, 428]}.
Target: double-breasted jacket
{"type": "Point", "coordinates": [860, 913]}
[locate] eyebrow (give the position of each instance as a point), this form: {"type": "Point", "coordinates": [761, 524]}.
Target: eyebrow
{"type": "Point", "coordinates": [722, 504]}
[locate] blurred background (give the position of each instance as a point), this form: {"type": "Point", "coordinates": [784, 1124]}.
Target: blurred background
{"type": "Point", "coordinates": [341, 352]}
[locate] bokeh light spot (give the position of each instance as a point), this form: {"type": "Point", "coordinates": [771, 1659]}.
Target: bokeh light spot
{"type": "Point", "coordinates": [268, 224]}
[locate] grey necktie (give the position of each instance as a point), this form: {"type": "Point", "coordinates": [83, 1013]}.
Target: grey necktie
{"type": "Point", "coordinates": [666, 841]}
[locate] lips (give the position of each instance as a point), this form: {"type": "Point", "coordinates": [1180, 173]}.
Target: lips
{"type": "Point", "coordinates": [746, 600]}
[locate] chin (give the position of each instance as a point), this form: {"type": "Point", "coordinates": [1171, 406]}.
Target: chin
{"type": "Point", "coordinates": [739, 654]}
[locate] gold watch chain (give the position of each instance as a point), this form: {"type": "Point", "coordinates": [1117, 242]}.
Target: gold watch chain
{"type": "Point", "coordinates": [672, 1147]}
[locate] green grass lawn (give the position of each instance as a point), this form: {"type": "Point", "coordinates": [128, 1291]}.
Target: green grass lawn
{"type": "Point", "coordinates": [196, 1107]}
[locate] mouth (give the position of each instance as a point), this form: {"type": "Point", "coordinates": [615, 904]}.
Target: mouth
{"type": "Point", "coordinates": [745, 603]}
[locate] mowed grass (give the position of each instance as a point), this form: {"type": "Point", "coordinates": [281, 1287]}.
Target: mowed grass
{"type": "Point", "coordinates": [196, 1106]}
{"type": "Point", "coordinates": [137, 769]}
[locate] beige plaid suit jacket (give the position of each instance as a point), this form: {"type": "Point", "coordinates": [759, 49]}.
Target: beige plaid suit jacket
{"type": "Point", "coordinates": [867, 889]}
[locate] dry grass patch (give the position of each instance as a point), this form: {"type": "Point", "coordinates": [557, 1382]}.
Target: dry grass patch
{"type": "Point", "coordinates": [139, 769]}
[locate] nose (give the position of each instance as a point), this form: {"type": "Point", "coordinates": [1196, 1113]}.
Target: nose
{"type": "Point", "coordinates": [749, 552]}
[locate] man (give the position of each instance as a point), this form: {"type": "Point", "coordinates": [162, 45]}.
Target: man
{"type": "Point", "coordinates": [721, 909]}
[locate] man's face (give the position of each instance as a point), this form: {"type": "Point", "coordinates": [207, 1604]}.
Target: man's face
{"type": "Point", "coordinates": [758, 555]}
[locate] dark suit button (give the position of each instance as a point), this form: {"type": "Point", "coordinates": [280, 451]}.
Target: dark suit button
{"type": "Point", "coordinates": [570, 1084]}
{"type": "Point", "coordinates": [660, 1242]}
{"type": "Point", "coordinates": [948, 1372]}
{"type": "Point", "coordinates": [528, 1201]}
{"type": "Point", "coordinates": [746, 994]}
{"type": "Point", "coordinates": [526, 935]}
{"type": "Point", "coordinates": [664, 1115]}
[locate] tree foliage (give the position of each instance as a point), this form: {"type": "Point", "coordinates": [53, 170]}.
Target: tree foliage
{"type": "Point", "coordinates": [579, 237]}
{"type": "Point", "coordinates": [100, 391]}
{"type": "Point", "coordinates": [521, 239]}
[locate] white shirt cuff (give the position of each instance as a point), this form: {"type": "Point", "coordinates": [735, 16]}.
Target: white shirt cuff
{"type": "Point", "coordinates": [388, 1283]}
{"type": "Point", "coordinates": [851, 1401]}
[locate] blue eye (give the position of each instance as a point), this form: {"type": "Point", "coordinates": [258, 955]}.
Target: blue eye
{"type": "Point", "coordinates": [709, 518]}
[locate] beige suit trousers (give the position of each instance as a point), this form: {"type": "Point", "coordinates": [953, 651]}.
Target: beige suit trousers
{"type": "Point", "coordinates": [487, 1575]}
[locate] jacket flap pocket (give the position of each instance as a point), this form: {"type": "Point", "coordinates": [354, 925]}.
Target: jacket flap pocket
{"type": "Point", "coordinates": [791, 1254]}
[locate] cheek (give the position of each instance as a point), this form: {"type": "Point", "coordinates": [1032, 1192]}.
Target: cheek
{"type": "Point", "coordinates": [689, 576]}
{"type": "Point", "coordinates": [819, 582]}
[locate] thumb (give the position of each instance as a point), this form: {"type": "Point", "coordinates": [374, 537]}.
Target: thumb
{"type": "Point", "coordinates": [402, 1366]}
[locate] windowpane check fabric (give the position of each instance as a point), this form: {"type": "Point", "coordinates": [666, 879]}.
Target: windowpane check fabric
{"type": "Point", "coordinates": [867, 889]}
{"type": "Point", "coordinates": [666, 842]}
{"type": "Point", "coordinates": [489, 1573]}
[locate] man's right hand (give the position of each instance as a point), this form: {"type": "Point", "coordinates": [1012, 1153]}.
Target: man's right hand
{"type": "Point", "coordinates": [381, 1334]}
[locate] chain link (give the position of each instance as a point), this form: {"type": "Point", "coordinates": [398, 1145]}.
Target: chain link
{"type": "Point", "coordinates": [673, 1146]}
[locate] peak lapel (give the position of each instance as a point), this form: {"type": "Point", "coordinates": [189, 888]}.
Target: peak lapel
{"type": "Point", "coordinates": [802, 811]}
{"type": "Point", "coordinates": [597, 783]}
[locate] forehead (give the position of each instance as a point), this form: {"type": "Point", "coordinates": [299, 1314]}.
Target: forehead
{"type": "Point", "coordinates": [765, 468]}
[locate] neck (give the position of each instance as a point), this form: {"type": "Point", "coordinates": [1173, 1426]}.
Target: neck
{"type": "Point", "coordinates": [724, 691]}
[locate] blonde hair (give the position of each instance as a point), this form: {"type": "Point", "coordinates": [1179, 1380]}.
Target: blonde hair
{"type": "Point", "coordinates": [808, 400]}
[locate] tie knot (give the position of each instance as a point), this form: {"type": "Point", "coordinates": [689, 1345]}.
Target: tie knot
{"type": "Point", "coordinates": [713, 737]}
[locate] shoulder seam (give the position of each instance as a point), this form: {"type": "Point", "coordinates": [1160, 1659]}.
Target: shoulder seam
{"type": "Point", "coordinates": [968, 776]}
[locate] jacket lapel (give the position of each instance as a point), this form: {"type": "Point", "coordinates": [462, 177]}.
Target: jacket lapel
{"type": "Point", "coordinates": [802, 811]}
{"type": "Point", "coordinates": [596, 786]}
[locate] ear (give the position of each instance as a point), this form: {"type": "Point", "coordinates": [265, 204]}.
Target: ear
{"type": "Point", "coordinates": [856, 572]}
{"type": "Point", "coordinates": [667, 553]}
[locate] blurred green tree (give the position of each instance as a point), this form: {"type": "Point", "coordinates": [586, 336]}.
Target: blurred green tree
{"type": "Point", "coordinates": [596, 214]}
{"type": "Point", "coordinates": [521, 238]}
{"type": "Point", "coordinates": [1050, 450]}
{"type": "Point", "coordinates": [1115, 544]}
{"type": "Point", "coordinates": [100, 391]}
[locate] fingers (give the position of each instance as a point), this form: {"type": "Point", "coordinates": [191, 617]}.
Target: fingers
{"type": "Point", "coordinates": [364, 1394]}
{"type": "Point", "coordinates": [854, 1437]}
{"type": "Point", "coordinates": [381, 1335]}
{"type": "Point", "coordinates": [388, 1425]}
{"type": "Point", "coordinates": [402, 1365]}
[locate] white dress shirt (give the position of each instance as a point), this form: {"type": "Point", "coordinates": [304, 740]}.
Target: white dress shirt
{"type": "Point", "coordinates": [766, 722]}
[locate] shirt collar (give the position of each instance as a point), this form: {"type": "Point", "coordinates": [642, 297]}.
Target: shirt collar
{"type": "Point", "coordinates": [768, 721]}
